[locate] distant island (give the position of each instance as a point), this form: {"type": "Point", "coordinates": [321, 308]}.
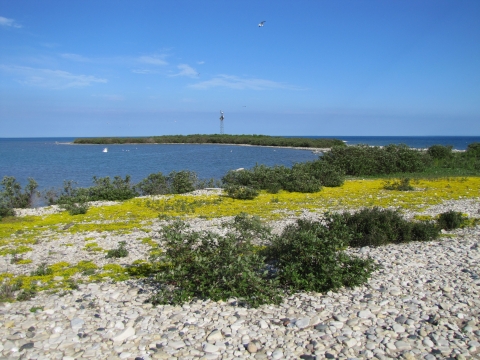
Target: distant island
{"type": "Point", "coordinates": [257, 140]}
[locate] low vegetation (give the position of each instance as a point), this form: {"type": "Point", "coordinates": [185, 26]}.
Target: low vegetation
{"type": "Point", "coordinates": [258, 140]}
{"type": "Point", "coordinates": [246, 261]}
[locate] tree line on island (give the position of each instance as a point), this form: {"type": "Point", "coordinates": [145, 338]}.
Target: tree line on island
{"type": "Point", "coordinates": [257, 140]}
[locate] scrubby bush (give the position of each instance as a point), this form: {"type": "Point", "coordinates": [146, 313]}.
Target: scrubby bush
{"type": "Point", "coordinates": [12, 196]}
{"type": "Point", "coordinates": [207, 265]}
{"type": "Point", "coordinates": [327, 174]}
{"type": "Point", "coordinates": [301, 181]}
{"type": "Point", "coordinates": [440, 152]}
{"type": "Point", "coordinates": [473, 150]}
{"type": "Point", "coordinates": [402, 184]}
{"type": "Point", "coordinates": [451, 220]}
{"type": "Point", "coordinates": [153, 184]}
{"type": "Point", "coordinates": [107, 190]}
{"type": "Point", "coordinates": [376, 226]}
{"type": "Point", "coordinates": [309, 256]}
{"type": "Point", "coordinates": [241, 192]}
{"type": "Point", "coordinates": [361, 160]}
{"type": "Point", "coordinates": [182, 182]}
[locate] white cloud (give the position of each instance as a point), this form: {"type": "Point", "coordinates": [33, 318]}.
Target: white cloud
{"type": "Point", "coordinates": [75, 57]}
{"type": "Point", "coordinates": [9, 22]}
{"type": "Point", "coordinates": [52, 79]}
{"type": "Point", "coordinates": [186, 70]}
{"type": "Point", "coordinates": [110, 97]}
{"type": "Point", "coordinates": [153, 60]}
{"type": "Point", "coordinates": [235, 82]}
{"type": "Point", "coordinates": [200, 62]}
{"type": "Point", "coordinates": [144, 71]}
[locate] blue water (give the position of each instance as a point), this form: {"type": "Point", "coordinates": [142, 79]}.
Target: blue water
{"type": "Point", "coordinates": [50, 161]}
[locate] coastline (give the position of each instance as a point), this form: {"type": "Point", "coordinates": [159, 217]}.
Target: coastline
{"type": "Point", "coordinates": [422, 302]}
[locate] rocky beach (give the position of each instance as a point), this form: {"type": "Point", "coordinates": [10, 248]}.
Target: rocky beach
{"type": "Point", "coordinates": [423, 303]}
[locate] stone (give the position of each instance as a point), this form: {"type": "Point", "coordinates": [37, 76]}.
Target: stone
{"type": "Point", "coordinates": [402, 345]}
{"type": "Point", "coordinates": [303, 322]}
{"type": "Point", "coordinates": [252, 348]}
{"type": "Point", "coordinates": [123, 335]}
{"type": "Point", "coordinates": [214, 336]}
{"type": "Point", "coordinates": [364, 314]}
{"type": "Point", "coordinates": [76, 323]}
{"type": "Point", "coordinates": [350, 342]}
{"type": "Point", "coordinates": [210, 348]}
{"type": "Point", "coordinates": [277, 353]}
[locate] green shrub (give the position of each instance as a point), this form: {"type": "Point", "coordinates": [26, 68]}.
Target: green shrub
{"type": "Point", "coordinates": [301, 181]}
{"type": "Point", "coordinates": [376, 226]}
{"type": "Point", "coordinates": [451, 220]}
{"type": "Point", "coordinates": [119, 252]}
{"type": "Point", "coordinates": [154, 184]}
{"type": "Point", "coordinates": [248, 227]}
{"type": "Point", "coordinates": [473, 150]}
{"type": "Point", "coordinates": [182, 182]}
{"type": "Point", "coordinates": [26, 294]}
{"type": "Point", "coordinates": [361, 160]}
{"type": "Point", "coordinates": [207, 265]}
{"type": "Point", "coordinates": [42, 270]}
{"type": "Point", "coordinates": [440, 152]}
{"type": "Point", "coordinates": [107, 190]}
{"type": "Point", "coordinates": [329, 175]}
{"type": "Point", "coordinates": [12, 196]}
{"type": "Point", "coordinates": [402, 184]}
{"type": "Point", "coordinates": [309, 256]}
{"type": "Point", "coordinates": [241, 192]}
{"type": "Point", "coordinates": [75, 206]}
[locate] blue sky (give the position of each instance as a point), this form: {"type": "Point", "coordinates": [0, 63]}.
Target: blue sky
{"type": "Point", "coordinates": [317, 67]}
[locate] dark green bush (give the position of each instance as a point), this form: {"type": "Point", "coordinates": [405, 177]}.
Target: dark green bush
{"type": "Point", "coordinates": [473, 150]}
{"type": "Point", "coordinates": [439, 152]}
{"type": "Point", "coordinates": [107, 190]}
{"type": "Point", "coordinates": [12, 196]}
{"type": "Point", "coordinates": [119, 252]}
{"type": "Point", "coordinates": [247, 227]}
{"type": "Point", "coordinates": [301, 181]}
{"type": "Point", "coordinates": [309, 256]}
{"type": "Point", "coordinates": [361, 160]}
{"type": "Point", "coordinates": [327, 174]}
{"type": "Point", "coordinates": [376, 226]}
{"type": "Point", "coordinates": [399, 185]}
{"type": "Point", "coordinates": [154, 184]}
{"type": "Point", "coordinates": [241, 192]}
{"type": "Point", "coordinates": [451, 220]}
{"type": "Point", "coordinates": [207, 265]}
{"type": "Point", "coordinates": [182, 182]}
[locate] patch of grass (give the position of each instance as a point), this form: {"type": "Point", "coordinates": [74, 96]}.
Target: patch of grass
{"type": "Point", "coordinates": [402, 184]}
{"type": "Point", "coordinates": [93, 247]}
{"type": "Point", "coordinates": [120, 252]}
{"type": "Point", "coordinates": [34, 309]}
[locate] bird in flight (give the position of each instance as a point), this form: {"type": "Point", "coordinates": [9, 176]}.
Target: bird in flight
{"type": "Point", "coordinates": [261, 23]}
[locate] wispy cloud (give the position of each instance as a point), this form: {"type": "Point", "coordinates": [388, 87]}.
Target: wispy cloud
{"type": "Point", "coordinates": [75, 57]}
{"type": "Point", "coordinates": [52, 79]}
{"type": "Point", "coordinates": [153, 60]}
{"type": "Point", "coordinates": [186, 70]}
{"type": "Point", "coordinates": [235, 82]}
{"type": "Point", "coordinates": [9, 22]}
{"type": "Point", "coordinates": [144, 71]}
{"type": "Point", "coordinates": [110, 97]}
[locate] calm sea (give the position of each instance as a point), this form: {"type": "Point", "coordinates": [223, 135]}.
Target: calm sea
{"type": "Point", "coordinates": [50, 161]}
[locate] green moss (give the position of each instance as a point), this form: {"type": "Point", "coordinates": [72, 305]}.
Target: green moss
{"type": "Point", "coordinates": [15, 251]}
{"type": "Point", "coordinates": [93, 247]}
{"type": "Point", "coordinates": [114, 272]}
{"type": "Point", "coordinates": [24, 261]}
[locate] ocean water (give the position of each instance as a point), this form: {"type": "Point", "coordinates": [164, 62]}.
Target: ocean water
{"type": "Point", "coordinates": [50, 161]}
